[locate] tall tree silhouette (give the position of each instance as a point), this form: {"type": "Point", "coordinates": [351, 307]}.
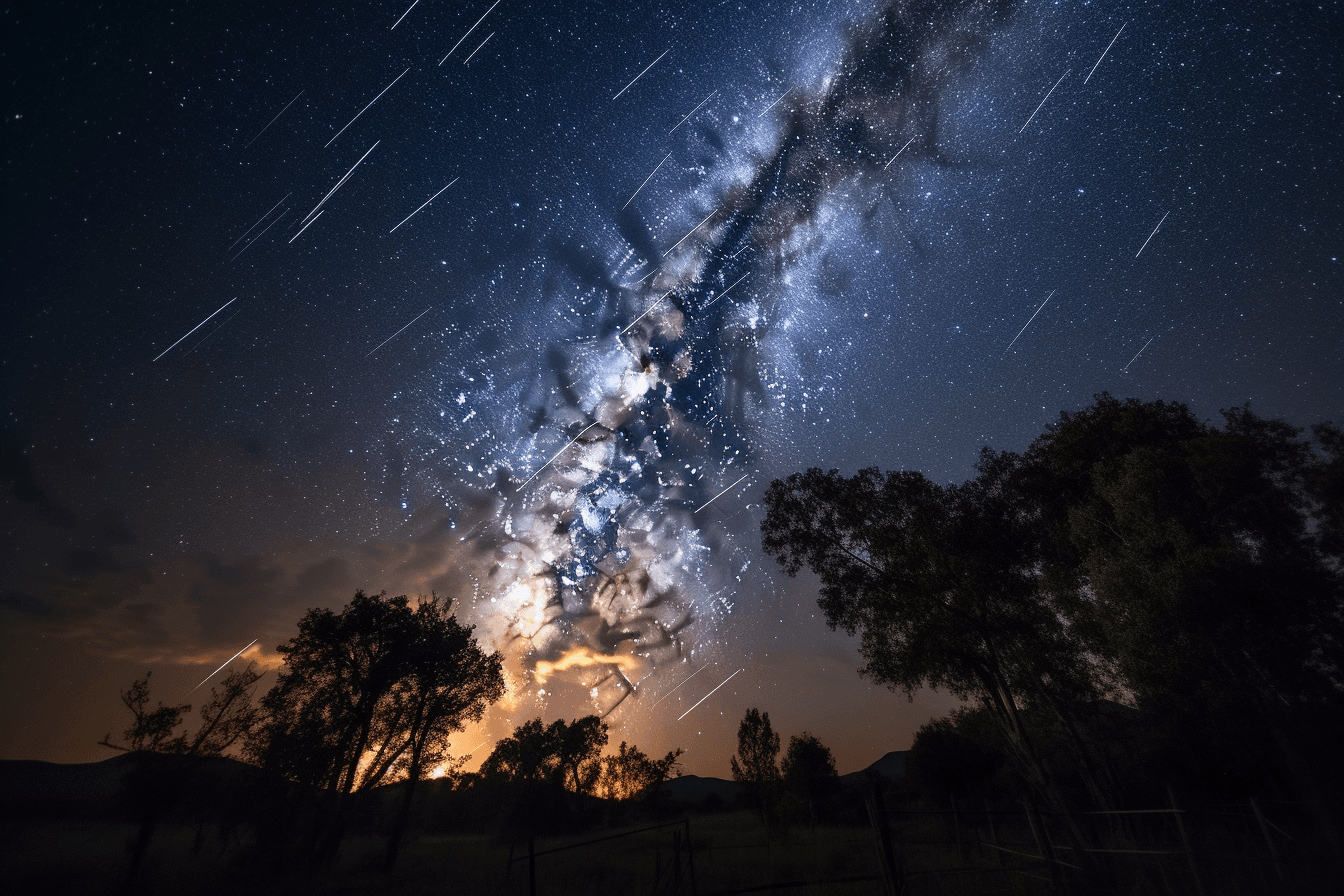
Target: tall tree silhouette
{"type": "Point", "coordinates": [155, 787]}
{"type": "Point", "coordinates": [754, 765]}
{"type": "Point", "coordinates": [371, 694]}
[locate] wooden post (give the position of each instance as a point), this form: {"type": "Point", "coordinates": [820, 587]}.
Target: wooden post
{"type": "Point", "coordinates": [531, 867]}
{"type": "Point", "coordinates": [993, 834]}
{"type": "Point", "coordinates": [676, 861]}
{"type": "Point", "coordinates": [1185, 841]}
{"type": "Point", "coordinates": [1037, 825]}
{"type": "Point", "coordinates": [690, 854]}
{"type": "Point", "coordinates": [1269, 841]}
{"type": "Point", "coordinates": [892, 872]}
{"type": "Point", "coordinates": [956, 824]}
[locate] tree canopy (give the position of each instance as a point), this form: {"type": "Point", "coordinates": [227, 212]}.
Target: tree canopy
{"type": "Point", "coordinates": [1131, 552]}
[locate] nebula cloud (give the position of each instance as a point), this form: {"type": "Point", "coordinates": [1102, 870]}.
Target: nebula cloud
{"type": "Point", "coordinates": [612, 440]}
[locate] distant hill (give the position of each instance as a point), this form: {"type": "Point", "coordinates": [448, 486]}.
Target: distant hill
{"type": "Point", "coordinates": [891, 765]}
{"type": "Point", "coordinates": [32, 788]}
{"type": "Point", "coordinates": [696, 790]}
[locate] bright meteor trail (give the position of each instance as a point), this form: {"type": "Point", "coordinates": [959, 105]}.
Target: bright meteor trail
{"type": "Point", "coordinates": [707, 696]}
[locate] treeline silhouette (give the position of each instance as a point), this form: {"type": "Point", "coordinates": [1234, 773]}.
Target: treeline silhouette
{"type": "Point", "coordinates": [1139, 598]}
{"type": "Point", "coordinates": [366, 697]}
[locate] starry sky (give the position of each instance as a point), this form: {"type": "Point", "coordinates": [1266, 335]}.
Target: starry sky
{"type": "Point", "coordinates": [526, 303]}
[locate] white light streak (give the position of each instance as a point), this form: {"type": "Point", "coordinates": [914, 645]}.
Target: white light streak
{"type": "Point", "coordinates": [1047, 96]}
{"type": "Point", "coordinates": [427, 202]}
{"type": "Point", "coordinates": [1150, 236]}
{"type": "Point", "coordinates": [642, 74]}
{"type": "Point", "coordinates": [898, 153]}
{"type": "Point", "coordinates": [1103, 54]}
{"type": "Point", "coordinates": [646, 180]}
{"type": "Point", "coordinates": [725, 292]}
{"type": "Point", "coordinates": [306, 226]}
{"type": "Point", "coordinates": [707, 696]}
{"type": "Point", "coordinates": [277, 117]}
{"type": "Point", "coordinates": [693, 111]}
{"type": "Point", "coordinates": [683, 681]}
{"type": "Point", "coordinates": [646, 311]}
{"type": "Point", "coordinates": [366, 108]}
{"type": "Point", "coordinates": [259, 220]}
{"type": "Point", "coordinates": [469, 30]}
{"type": "Point", "coordinates": [478, 49]}
{"type": "Point", "coordinates": [1139, 352]}
{"type": "Point", "coordinates": [692, 230]}
{"type": "Point", "coordinates": [342, 180]}
{"type": "Point", "coordinates": [403, 15]}
{"type": "Point", "coordinates": [226, 662]}
{"type": "Point", "coordinates": [558, 453]}
{"type": "Point", "coordinates": [198, 326]}
{"type": "Point", "coordinates": [720, 494]}
{"type": "Point", "coordinates": [1029, 320]}
{"type": "Point", "coordinates": [399, 332]}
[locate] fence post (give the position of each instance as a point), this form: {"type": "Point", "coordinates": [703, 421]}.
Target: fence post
{"type": "Point", "coordinates": [1185, 841]}
{"type": "Point", "coordinates": [993, 834]}
{"type": "Point", "coordinates": [531, 867]}
{"type": "Point", "coordinates": [690, 854]}
{"type": "Point", "coordinates": [892, 873]}
{"type": "Point", "coordinates": [1269, 841]}
{"type": "Point", "coordinates": [956, 824]}
{"type": "Point", "coordinates": [676, 862]}
{"type": "Point", "coordinates": [1038, 832]}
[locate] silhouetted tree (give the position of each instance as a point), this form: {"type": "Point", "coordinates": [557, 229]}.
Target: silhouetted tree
{"type": "Point", "coordinates": [563, 754]}
{"type": "Point", "coordinates": [631, 774]}
{"type": "Point", "coordinates": [371, 694]}
{"type": "Point", "coordinates": [808, 770]}
{"type": "Point", "coordinates": [227, 717]}
{"type": "Point", "coordinates": [755, 765]}
{"type": "Point", "coordinates": [954, 756]}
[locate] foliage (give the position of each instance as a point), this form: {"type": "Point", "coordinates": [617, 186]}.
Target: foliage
{"type": "Point", "coordinates": [955, 756]}
{"type": "Point", "coordinates": [563, 754]}
{"type": "Point", "coordinates": [631, 774]}
{"type": "Point", "coordinates": [226, 718]}
{"type": "Point", "coordinates": [754, 765]}
{"type": "Point", "coordinates": [373, 693]}
{"type": "Point", "coordinates": [808, 769]}
{"type": "Point", "coordinates": [1132, 552]}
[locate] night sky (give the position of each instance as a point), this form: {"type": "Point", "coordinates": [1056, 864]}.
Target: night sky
{"type": "Point", "coordinates": [525, 304]}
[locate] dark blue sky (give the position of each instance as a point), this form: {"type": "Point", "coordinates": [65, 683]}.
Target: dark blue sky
{"type": "Point", "coordinates": [301, 444]}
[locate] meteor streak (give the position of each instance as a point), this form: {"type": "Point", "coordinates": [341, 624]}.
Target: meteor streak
{"type": "Point", "coordinates": [306, 226]}
{"type": "Point", "coordinates": [641, 74]}
{"type": "Point", "coordinates": [693, 111]}
{"type": "Point", "coordinates": [720, 494]}
{"type": "Point", "coordinates": [427, 202]}
{"type": "Point", "coordinates": [646, 311]}
{"type": "Point", "coordinates": [403, 15]}
{"type": "Point", "coordinates": [646, 180]}
{"type": "Point", "coordinates": [725, 292]}
{"type": "Point", "coordinates": [1047, 96]}
{"type": "Point", "coordinates": [683, 681]}
{"type": "Point", "coordinates": [898, 153]}
{"type": "Point", "coordinates": [707, 696]}
{"type": "Point", "coordinates": [558, 453]}
{"type": "Point", "coordinates": [399, 332]}
{"type": "Point", "coordinates": [366, 108]}
{"type": "Point", "coordinates": [478, 49]}
{"type": "Point", "coordinates": [278, 114]}
{"type": "Point", "coordinates": [1028, 323]}
{"type": "Point", "coordinates": [777, 102]}
{"type": "Point", "coordinates": [259, 220]}
{"type": "Point", "coordinates": [469, 30]}
{"type": "Point", "coordinates": [1150, 236]}
{"type": "Point", "coordinates": [692, 230]}
{"type": "Point", "coordinates": [260, 235]}
{"type": "Point", "coordinates": [194, 329]}
{"type": "Point", "coordinates": [226, 662]}
{"type": "Point", "coordinates": [342, 180]}
{"type": "Point", "coordinates": [1103, 54]}
{"type": "Point", "coordinates": [1136, 354]}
